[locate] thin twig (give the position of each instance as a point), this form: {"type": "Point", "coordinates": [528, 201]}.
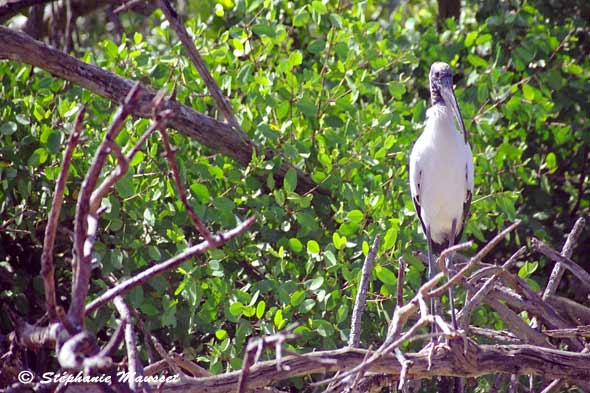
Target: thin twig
{"type": "Point", "coordinates": [361, 295]}
{"type": "Point", "coordinates": [171, 157]}
{"type": "Point", "coordinates": [566, 252]}
{"type": "Point", "coordinates": [554, 386]}
{"type": "Point", "coordinates": [135, 368]}
{"type": "Point", "coordinates": [222, 102]}
{"type": "Point", "coordinates": [47, 267]}
{"type": "Point", "coordinates": [399, 301]}
{"type": "Point", "coordinates": [580, 331]}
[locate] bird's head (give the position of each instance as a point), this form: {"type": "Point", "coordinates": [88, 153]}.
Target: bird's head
{"type": "Point", "coordinates": [441, 90]}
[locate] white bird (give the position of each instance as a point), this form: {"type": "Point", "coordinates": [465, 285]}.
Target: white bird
{"type": "Point", "coordinates": [441, 170]}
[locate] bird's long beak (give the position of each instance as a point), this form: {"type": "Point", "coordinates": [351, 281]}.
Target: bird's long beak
{"type": "Point", "coordinates": [448, 96]}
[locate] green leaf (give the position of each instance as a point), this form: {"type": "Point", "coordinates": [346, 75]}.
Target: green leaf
{"type": "Point", "coordinates": [38, 157]}
{"type": "Point", "coordinates": [148, 217]}
{"type": "Point", "coordinates": [260, 309]}
{"type": "Point", "coordinates": [528, 92]}
{"type": "Point", "coordinates": [278, 319]}
{"type": "Point", "coordinates": [221, 334]}
{"type": "Point", "coordinates": [316, 46]}
{"type": "Point", "coordinates": [385, 275]}
{"type": "Point", "coordinates": [297, 297]}
{"type": "Point", "coordinates": [249, 311]}
{"type": "Point", "coordinates": [355, 216]}
{"type": "Point", "coordinates": [527, 269]}
{"type": "Point", "coordinates": [390, 238]}
{"type": "Point", "coordinates": [551, 162]}
{"type": "Point", "coordinates": [477, 61]}
{"type": "Point", "coordinates": [290, 181]}
{"type": "Point", "coordinates": [313, 247]}
{"type": "Point", "coordinates": [470, 38]}
{"type": "Point", "coordinates": [301, 17]}
{"type": "Point", "coordinates": [307, 305]}
{"type": "Point", "coordinates": [295, 244]}
{"type": "Point", "coordinates": [137, 159]}
{"type": "Point", "coordinates": [323, 327]}
{"type": "Point", "coordinates": [339, 241]}
{"type": "Point", "coordinates": [236, 309]}
{"type": "Point", "coordinates": [330, 257]}
{"type": "Point", "coordinates": [295, 58]}
{"type": "Point", "coordinates": [396, 89]}
{"type": "Point", "coordinates": [314, 284]}
{"type": "Point", "coordinates": [8, 128]}
{"type": "Point", "coordinates": [201, 192]}
{"type": "Point", "coordinates": [154, 253]}
{"type": "Point", "coordinates": [263, 29]}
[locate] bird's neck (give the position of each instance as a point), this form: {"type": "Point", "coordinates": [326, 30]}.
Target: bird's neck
{"type": "Point", "coordinates": [441, 120]}
{"type": "Point", "coordinates": [435, 96]}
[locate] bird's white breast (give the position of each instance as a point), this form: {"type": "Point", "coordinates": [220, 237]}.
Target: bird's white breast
{"type": "Point", "coordinates": [441, 162]}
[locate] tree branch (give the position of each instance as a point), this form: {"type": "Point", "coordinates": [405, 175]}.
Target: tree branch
{"type": "Point", "coordinates": [47, 268]}
{"type": "Point", "coordinates": [361, 295]}
{"type": "Point", "coordinates": [475, 361]}
{"type": "Point", "coordinates": [218, 136]}
{"type": "Point", "coordinates": [193, 54]}
{"type": "Point", "coordinates": [86, 220]}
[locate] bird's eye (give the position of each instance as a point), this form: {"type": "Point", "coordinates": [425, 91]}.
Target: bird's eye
{"type": "Point", "coordinates": [437, 74]}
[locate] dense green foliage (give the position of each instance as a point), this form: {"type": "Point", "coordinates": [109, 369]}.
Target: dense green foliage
{"type": "Point", "coordinates": [340, 90]}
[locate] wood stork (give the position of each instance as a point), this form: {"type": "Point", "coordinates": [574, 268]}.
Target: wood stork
{"type": "Point", "coordinates": [441, 171]}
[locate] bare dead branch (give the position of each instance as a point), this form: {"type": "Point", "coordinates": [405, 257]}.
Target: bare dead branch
{"type": "Point", "coordinates": [399, 301]}
{"type": "Point", "coordinates": [361, 295]}
{"type": "Point", "coordinates": [85, 219]}
{"type": "Point", "coordinates": [255, 348]}
{"type": "Point", "coordinates": [554, 386]}
{"type": "Point", "coordinates": [465, 314]}
{"type": "Point", "coordinates": [573, 311]}
{"type": "Point", "coordinates": [536, 306]}
{"type": "Point", "coordinates": [567, 251]}
{"type": "Point", "coordinates": [135, 367]}
{"type": "Point", "coordinates": [517, 325]}
{"type": "Point", "coordinates": [580, 331]}
{"type": "Point", "coordinates": [115, 340]}
{"type": "Point", "coordinates": [565, 262]}
{"type": "Point", "coordinates": [47, 268]}
{"type": "Point", "coordinates": [128, 5]}
{"type": "Point", "coordinates": [222, 102]}
{"type": "Point", "coordinates": [496, 335]}
{"type": "Point", "coordinates": [171, 157]}
{"type": "Point", "coordinates": [476, 361]}
{"type": "Point", "coordinates": [123, 163]}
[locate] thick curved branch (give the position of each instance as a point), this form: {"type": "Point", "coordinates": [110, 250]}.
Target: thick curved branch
{"type": "Point", "coordinates": [218, 136]}
{"type": "Point", "coordinates": [476, 361]}
{"type": "Point", "coordinates": [47, 268]}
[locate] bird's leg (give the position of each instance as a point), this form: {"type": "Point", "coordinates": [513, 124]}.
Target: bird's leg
{"type": "Point", "coordinates": [448, 265]}
{"type": "Point", "coordinates": [431, 273]}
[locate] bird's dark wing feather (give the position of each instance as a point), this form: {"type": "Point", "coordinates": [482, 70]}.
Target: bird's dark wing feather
{"type": "Point", "coordinates": [418, 208]}
{"type": "Point", "coordinates": [466, 207]}
{"type": "Point", "coordinates": [416, 200]}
